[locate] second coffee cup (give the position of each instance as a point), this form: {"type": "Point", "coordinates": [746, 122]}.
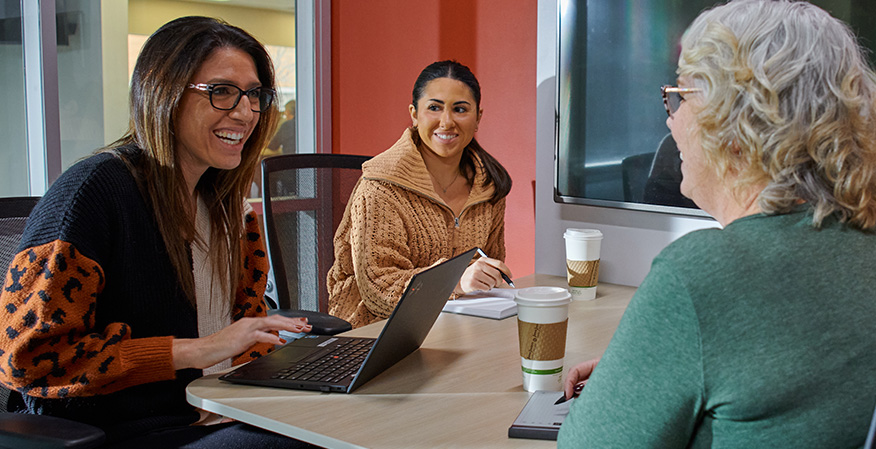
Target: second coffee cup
{"type": "Point", "coordinates": [582, 261]}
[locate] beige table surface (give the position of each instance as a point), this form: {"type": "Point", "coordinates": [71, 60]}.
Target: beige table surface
{"type": "Point", "coordinates": [462, 388]}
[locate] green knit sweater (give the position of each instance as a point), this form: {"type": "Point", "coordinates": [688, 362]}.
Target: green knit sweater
{"type": "Point", "coordinates": [758, 335]}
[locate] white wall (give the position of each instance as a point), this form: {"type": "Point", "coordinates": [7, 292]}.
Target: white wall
{"type": "Point", "coordinates": [631, 238]}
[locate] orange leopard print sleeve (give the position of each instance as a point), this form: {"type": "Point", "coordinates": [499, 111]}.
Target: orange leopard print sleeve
{"type": "Point", "coordinates": [251, 289]}
{"type": "Point", "coordinates": [49, 345]}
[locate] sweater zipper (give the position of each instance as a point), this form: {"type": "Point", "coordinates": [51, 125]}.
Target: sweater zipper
{"type": "Point", "coordinates": [456, 219]}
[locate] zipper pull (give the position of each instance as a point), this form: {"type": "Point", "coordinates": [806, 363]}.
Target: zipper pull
{"type": "Point", "coordinates": [456, 222]}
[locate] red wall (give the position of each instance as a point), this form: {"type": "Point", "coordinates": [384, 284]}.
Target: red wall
{"type": "Point", "coordinates": [379, 48]}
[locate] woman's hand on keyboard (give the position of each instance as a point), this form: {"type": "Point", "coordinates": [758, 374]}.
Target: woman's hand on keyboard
{"type": "Point", "coordinates": [232, 340]}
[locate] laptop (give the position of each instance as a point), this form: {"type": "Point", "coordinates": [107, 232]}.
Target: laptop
{"type": "Point", "coordinates": [342, 364]}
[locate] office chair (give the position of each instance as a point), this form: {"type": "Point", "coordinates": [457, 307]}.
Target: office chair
{"type": "Point", "coordinates": [635, 170]}
{"type": "Point", "coordinates": [21, 430]}
{"type": "Point", "coordinates": [664, 181]}
{"type": "Point", "coordinates": [304, 198]}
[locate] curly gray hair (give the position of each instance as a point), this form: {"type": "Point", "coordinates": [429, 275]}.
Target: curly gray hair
{"type": "Point", "coordinates": [789, 104]}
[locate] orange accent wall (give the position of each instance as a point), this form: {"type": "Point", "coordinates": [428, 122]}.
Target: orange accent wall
{"type": "Point", "coordinates": [379, 47]}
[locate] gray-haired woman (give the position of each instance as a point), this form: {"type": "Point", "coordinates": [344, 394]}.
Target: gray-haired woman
{"type": "Point", "coordinates": [759, 334]}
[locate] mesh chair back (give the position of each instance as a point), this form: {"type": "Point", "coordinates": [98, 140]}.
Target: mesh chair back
{"type": "Point", "coordinates": [304, 198]}
{"type": "Point", "coordinates": [13, 216]}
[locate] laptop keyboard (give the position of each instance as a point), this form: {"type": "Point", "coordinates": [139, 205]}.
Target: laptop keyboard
{"type": "Point", "coordinates": [342, 361]}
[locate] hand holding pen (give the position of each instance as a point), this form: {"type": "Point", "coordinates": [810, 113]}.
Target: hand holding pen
{"type": "Point", "coordinates": [505, 277]}
{"type": "Point", "coordinates": [576, 379]}
{"type": "Point", "coordinates": [578, 388]}
{"type": "Point", "coordinates": [483, 274]}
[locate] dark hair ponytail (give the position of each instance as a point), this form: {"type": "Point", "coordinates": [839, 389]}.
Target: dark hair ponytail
{"type": "Point", "coordinates": [495, 172]}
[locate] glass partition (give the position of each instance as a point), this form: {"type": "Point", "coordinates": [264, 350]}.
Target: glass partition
{"type": "Point", "coordinates": [613, 146]}
{"type": "Point", "coordinates": [13, 171]}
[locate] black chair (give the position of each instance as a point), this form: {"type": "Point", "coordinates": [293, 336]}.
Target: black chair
{"type": "Point", "coordinates": [664, 181]}
{"type": "Point", "coordinates": [21, 430]}
{"type": "Point", "coordinates": [13, 216]}
{"type": "Point", "coordinates": [635, 170]}
{"type": "Point", "coordinates": [304, 198]}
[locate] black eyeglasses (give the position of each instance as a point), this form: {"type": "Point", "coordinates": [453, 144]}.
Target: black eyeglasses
{"type": "Point", "coordinates": [673, 96]}
{"type": "Point", "coordinates": [225, 97]}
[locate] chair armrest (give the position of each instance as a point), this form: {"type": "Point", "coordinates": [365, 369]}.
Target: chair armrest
{"type": "Point", "coordinates": [26, 431]}
{"type": "Point", "coordinates": [321, 323]}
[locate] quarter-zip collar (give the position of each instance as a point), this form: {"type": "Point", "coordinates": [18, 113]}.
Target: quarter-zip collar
{"type": "Point", "coordinates": [403, 165]}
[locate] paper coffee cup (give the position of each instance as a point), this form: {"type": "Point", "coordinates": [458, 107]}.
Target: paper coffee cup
{"type": "Point", "coordinates": [582, 261]}
{"type": "Point", "coordinates": [542, 320]}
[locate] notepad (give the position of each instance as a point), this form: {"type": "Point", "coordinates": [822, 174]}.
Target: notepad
{"type": "Point", "coordinates": [496, 303]}
{"type": "Point", "coordinates": [540, 418]}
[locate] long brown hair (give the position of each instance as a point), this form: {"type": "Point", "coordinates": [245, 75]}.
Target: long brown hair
{"type": "Point", "coordinates": [164, 68]}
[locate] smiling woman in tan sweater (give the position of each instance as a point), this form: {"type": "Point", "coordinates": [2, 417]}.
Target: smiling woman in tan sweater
{"type": "Point", "coordinates": [434, 194]}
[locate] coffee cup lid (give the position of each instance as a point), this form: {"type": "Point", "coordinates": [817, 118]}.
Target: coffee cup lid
{"type": "Point", "coordinates": [583, 234]}
{"type": "Point", "coordinates": [542, 296]}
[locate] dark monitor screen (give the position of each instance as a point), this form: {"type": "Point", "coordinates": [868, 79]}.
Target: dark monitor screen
{"type": "Point", "coordinates": [613, 146]}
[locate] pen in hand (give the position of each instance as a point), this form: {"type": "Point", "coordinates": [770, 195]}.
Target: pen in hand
{"type": "Point", "coordinates": [578, 387]}
{"type": "Point", "coordinates": [504, 276]}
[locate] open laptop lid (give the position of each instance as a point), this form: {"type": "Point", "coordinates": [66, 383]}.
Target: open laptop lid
{"type": "Point", "coordinates": [413, 316]}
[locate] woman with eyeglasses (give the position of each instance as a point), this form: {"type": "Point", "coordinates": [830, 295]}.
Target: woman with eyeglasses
{"type": "Point", "coordinates": [759, 334]}
{"type": "Point", "coordinates": [143, 267]}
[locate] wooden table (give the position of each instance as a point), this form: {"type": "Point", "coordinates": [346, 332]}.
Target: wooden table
{"type": "Point", "coordinates": [462, 388]}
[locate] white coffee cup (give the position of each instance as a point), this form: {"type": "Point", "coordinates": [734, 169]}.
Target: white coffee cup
{"type": "Point", "coordinates": [542, 320]}
{"type": "Point", "coordinates": [582, 261]}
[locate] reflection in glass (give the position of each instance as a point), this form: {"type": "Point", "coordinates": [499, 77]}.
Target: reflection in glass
{"type": "Point", "coordinates": [613, 146]}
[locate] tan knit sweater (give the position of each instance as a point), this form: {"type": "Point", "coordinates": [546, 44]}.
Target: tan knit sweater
{"type": "Point", "coordinates": [396, 225]}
